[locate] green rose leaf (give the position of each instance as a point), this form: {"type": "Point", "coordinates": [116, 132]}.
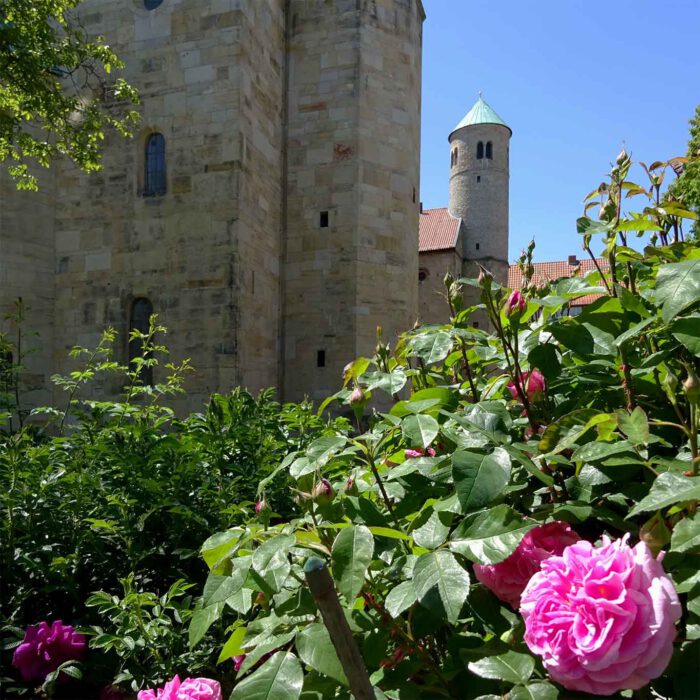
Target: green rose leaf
{"type": "Point", "coordinates": [686, 534]}
{"type": "Point", "coordinates": [540, 690]}
{"type": "Point", "coordinates": [441, 583]}
{"type": "Point", "coordinates": [634, 425]}
{"type": "Point", "coordinates": [667, 489]}
{"type": "Point", "coordinates": [687, 332]}
{"type": "Point", "coordinates": [233, 645]}
{"type": "Point", "coordinates": [315, 649]}
{"type": "Point", "coordinates": [400, 598]}
{"type": "Point", "coordinates": [491, 536]}
{"type": "Point", "coordinates": [351, 556]}
{"type": "Point", "coordinates": [202, 620]}
{"type": "Point", "coordinates": [677, 287]}
{"type": "Point", "coordinates": [511, 667]}
{"type": "Point", "coordinates": [480, 478]}
{"type": "Point", "coordinates": [432, 347]}
{"type": "Point", "coordinates": [420, 429]}
{"type": "Point", "coordinates": [434, 531]}
{"type": "Point", "coordinates": [271, 560]}
{"type": "Point", "coordinates": [279, 678]}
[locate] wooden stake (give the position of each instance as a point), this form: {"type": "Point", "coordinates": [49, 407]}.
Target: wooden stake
{"type": "Point", "coordinates": [324, 593]}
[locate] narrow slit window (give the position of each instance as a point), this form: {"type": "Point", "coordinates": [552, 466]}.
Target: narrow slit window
{"type": "Point", "coordinates": [154, 176]}
{"type": "Point", "coordinates": [152, 4]}
{"type": "Point", "coordinates": [478, 245]}
{"type": "Point", "coordinates": [323, 219]}
{"type": "Point", "coordinates": [480, 150]}
{"type": "Point", "coordinates": [478, 178]}
{"type": "Point", "coordinates": [489, 151]}
{"type": "Point", "coordinates": [320, 358]}
{"type": "Point", "coordinates": [139, 320]}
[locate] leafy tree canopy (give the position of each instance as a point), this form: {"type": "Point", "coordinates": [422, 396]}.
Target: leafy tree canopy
{"type": "Point", "coordinates": [688, 185]}
{"type": "Point", "coordinates": [56, 93]}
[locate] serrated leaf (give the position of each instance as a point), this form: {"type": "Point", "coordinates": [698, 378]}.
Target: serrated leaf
{"type": "Point", "coordinates": [200, 622]}
{"type": "Point", "coordinates": [233, 645]}
{"type": "Point", "coordinates": [400, 598]}
{"type": "Point", "coordinates": [511, 667]}
{"type": "Point", "coordinates": [634, 425]}
{"type": "Point", "coordinates": [687, 332]}
{"type": "Point", "coordinates": [491, 536]}
{"type": "Point", "coordinates": [433, 532]}
{"type": "Point", "coordinates": [271, 560]}
{"type": "Point", "coordinates": [539, 690]}
{"type": "Point", "coordinates": [279, 678]}
{"type": "Point", "coordinates": [441, 583]}
{"type": "Point", "coordinates": [480, 478]}
{"type": "Point", "coordinates": [316, 649]}
{"type": "Point", "coordinates": [389, 382]}
{"type": "Point", "coordinates": [351, 556]}
{"type": "Point", "coordinates": [668, 488]}
{"type": "Point", "coordinates": [420, 429]}
{"type": "Point", "coordinates": [677, 287]}
{"type": "Point", "coordinates": [432, 347]}
{"type": "Point", "coordinates": [686, 534]}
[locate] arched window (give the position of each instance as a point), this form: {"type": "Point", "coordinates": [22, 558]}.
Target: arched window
{"type": "Point", "coordinates": [480, 150]}
{"type": "Point", "coordinates": [489, 151]}
{"type": "Point", "coordinates": [154, 183]}
{"type": "Point", "coordinates": [152, 4]}
{"type": "Point", "coordinates": [139, 320]}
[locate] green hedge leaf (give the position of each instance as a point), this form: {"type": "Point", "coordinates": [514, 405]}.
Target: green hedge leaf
{"type": "Point", "coordinates": [351, 555]}
{"type": "Point", "coordinates": [511, 667]}
{"type": "Point", "coordinates": [667, 489]}
{"type": "Point", "coordinates": [315, 649]}
{"type": "Point", "coordinates": [480, 478]}
{"type": "Point", "coordinates": [441, 583]}
{"type": "Point", "coordinates": [279, 678]}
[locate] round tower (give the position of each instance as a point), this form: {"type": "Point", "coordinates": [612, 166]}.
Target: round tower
{"type": "Point", "coordinates": [479, 173]}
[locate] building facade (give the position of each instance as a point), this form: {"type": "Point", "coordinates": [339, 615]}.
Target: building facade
{"type": "Point", "coordinates": [267, 210]}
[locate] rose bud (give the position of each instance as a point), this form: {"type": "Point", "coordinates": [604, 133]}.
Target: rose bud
{"type": "Point", "coordinates": [323, 493]}
{"type": "Point", "coordinates": [261, 505]}
{"type": "Point", "coordinates": [357, 396]}
{"type": "Point", "coordinates": [516, 302]}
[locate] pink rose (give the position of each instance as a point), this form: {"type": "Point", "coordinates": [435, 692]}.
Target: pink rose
{"type": "Point", "coordinates": [419, 452]}
{"type": "Point", "coordinates": [261, 505]}
{"type": "Point", "coordinates": [45, 648]}
{"type": "Point", "coordinates": [189, 689]}
{"type": "Point", "coordinates": [508, 578]}
{"type": "Point", "coordinates": [602, 618]}
{"type": "Point", "coordinates": [516, 302]}
{"type": "Point", "coordinates": [534, 385]}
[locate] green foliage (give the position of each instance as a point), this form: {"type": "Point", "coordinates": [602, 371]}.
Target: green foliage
{"type": "Point", "coordinates": [688, 186]}
{"type": "Point", "coordinates": [147, 634]}
{"type": "Point", "coordinates": [57, 93]}
{"type": "Point", "coordinates": [459, 470]}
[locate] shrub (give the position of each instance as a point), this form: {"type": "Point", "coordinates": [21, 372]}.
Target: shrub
{"type": "Point", "coordinates": [589, 420]}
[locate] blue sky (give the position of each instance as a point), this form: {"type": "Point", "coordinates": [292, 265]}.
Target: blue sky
{"type": "Point", "coordinates": [573, 80]}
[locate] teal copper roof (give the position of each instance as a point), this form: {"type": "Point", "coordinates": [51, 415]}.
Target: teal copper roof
{"type": "Point", "coordinates": [481, 113]}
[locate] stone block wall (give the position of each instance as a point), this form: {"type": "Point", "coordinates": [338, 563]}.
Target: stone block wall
{"type": "Point", "coordinates": [351, 245]}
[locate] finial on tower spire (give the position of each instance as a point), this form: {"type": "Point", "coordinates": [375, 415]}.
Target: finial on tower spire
{"type": "Point", "coordinates": [479, 94]}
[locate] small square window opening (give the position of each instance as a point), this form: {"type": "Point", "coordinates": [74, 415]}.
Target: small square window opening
{"type": "Point", "coordinates": [320, 358]}
{"type": "Point", "coordinates": [323, 219]}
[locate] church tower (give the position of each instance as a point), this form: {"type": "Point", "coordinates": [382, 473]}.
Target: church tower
{"type": "Point", "coordinates": [479, 173]}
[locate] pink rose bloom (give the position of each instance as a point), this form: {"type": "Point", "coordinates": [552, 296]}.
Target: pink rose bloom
{"type": "Point", "coordinates": [419, 452]}
{"type": "Point", "coordinates": [508, 578]}
{"type": "Point", "coordinates": [534, 385]}
{"type": "Point", "coordinates": [45, 648]}
{"type": "Point", "coordinates": [602, 618]}
{"type": "Point", "coordinates": [189, 689]}
{"type": "Point", "coordinates": [516, 302]}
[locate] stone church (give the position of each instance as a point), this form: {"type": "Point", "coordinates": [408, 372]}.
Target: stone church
{"type": "Point", "coordinates": [268, 209]}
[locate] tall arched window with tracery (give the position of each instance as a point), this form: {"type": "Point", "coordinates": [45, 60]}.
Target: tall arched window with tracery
{"type": "Point", "coordinates": [489, 151]}
{"type": "Point", "coordinates": [139, 320]}
{"type": "Point", "coordinates": [154, 182]}
{"type": "Point", "coordinates": [480, 150]}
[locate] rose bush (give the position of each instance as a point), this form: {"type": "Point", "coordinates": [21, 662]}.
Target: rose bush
{"type": "Point", "coordinates": [561, 439]}
{"type": "Point", "coordinates": [602, 618]}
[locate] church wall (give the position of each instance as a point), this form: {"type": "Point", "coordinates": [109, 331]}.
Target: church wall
{"type": "Point", "coordinates": [207, 72]}
{"type": "Point", "coordinates": [26, 272]}
{"type": "Point", "coordinates": [433, 307]}
{"type": "Point", "coordinates": [353, 148]}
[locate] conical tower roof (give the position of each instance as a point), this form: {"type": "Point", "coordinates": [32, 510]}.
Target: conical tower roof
{"type": "Point", "coordinates": [481, 113]}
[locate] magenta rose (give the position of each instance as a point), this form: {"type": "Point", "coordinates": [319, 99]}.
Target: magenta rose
{"type": "Point", "coordinates": [534, 385]}
{"type": "Point", "coordinates": [516, 302]}
{"type": "Point", "coordinates": [45, 648]}
{"type": "Point", "coordinates": [602, 618]}
{"type": "Point", "coordinates": [508, 578]}
{"type": "Point", "coordinates": [189, 689]}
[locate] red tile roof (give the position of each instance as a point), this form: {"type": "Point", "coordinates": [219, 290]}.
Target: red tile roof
{"type": "Point", "coordinates": [551, 271]}
{"type": "Point", "coordinates": [437, 230]}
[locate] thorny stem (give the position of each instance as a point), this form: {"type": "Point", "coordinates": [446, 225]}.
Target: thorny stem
{"type": "Point", "coordinates": [467, 369]}
{"type": "Point", "coordinates": [587, 248]}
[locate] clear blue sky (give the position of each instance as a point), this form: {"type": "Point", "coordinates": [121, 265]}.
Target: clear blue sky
{"type": "Point", "coordinates": [573, 80]}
